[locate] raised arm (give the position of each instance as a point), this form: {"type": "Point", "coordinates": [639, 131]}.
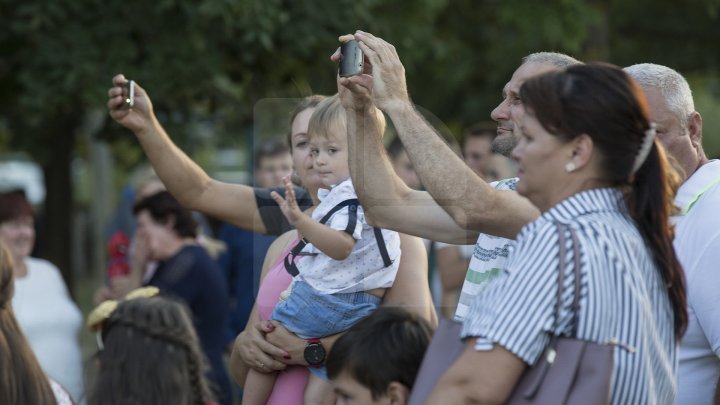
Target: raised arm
{"type": "Point", "coordinates": [234, 203]}
{"type": "Point", "coordinates": [468, 199]}
{"type": "Point", "coordinates": [387, 201]}
{"type": "Point", "coordinates": [336, 244]}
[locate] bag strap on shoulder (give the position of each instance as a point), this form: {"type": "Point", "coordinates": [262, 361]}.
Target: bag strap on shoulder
{"type": "Point", "coordinates": [575, 308]}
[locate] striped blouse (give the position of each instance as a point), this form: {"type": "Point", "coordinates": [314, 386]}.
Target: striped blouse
{"type": "Point", "coordinates": [623, 300]}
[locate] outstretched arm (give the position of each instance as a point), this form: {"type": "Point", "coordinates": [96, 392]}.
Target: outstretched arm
{"type": "Point", "coordinates": [387, 201]}
{"type": "Point", "coordinates": [234, 203]}
{"type": "Point", "coordinates": [469, 200]}
{"type": "Point", "coordinates": [336, 244]}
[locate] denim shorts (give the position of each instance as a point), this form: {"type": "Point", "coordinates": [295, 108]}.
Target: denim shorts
{"type": "Point", "coordinates": [311, 314]}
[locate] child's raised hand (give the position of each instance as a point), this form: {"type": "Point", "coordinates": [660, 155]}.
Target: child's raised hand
{"type": "Point", "coordinates": [288, 205]}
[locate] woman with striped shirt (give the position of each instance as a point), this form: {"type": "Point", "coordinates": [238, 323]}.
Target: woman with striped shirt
{"type": "Point", "coordinates": [587, 159]}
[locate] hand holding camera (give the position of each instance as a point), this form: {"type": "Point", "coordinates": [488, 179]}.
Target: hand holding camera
{"type": "Point", "coordinates": [351, 63]}
{"type": "Point", "coordinates": [128, 95]}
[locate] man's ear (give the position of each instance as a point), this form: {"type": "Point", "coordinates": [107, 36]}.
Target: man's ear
{"type": "Point", "coordinates": [398, 393]}
{"type": "Point", "coordinates": [695, 129]}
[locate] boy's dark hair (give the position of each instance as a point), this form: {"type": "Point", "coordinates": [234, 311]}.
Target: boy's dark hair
{"type": "Point", "coordinates": [163, 207]}
{"type": "Point", "coordinates": [387, 346]}
{"type": "Point", "coordinates": [480, 129]}
{"type": "Point", "coordinates": [269, 149]}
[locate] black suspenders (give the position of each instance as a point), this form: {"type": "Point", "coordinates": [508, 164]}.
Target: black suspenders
{"type": "Point", "coordinates": [352, 205]}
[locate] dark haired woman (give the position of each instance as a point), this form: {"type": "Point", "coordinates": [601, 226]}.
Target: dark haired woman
{"type": "Point", "coordinates": [47, 315]}
{"type": "Point", "coordinates": [589, 161]}
{"type": "Point", "coordinates": [185, 271]}
{"type": "Point", "coordinates": [22, 381]}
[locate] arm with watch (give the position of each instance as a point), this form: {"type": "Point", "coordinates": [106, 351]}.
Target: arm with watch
{"type": "Point", "coordinates": [275, 347]}
{"type": "Point", "coordinates": [409, 291]}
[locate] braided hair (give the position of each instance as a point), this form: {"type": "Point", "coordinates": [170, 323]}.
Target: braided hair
{"type": "Point", "coordinates": [150, 355]}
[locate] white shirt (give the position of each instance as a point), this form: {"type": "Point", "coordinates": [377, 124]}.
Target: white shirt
{"type": "Point", "coordinates": [697, 244]}
{"type": "Point", "coordinates": [487, 261]}
{"type": "Point", "coordinates": [364, 269]}
{"type": "Point", "coordinates": [51, 322]}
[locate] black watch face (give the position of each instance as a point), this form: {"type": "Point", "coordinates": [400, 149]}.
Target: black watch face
{"type": "Point", "coordinates": [314, 354]}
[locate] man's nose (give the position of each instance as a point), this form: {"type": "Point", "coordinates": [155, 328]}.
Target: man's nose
{"type": "Point", "coordinates": [501, 112]}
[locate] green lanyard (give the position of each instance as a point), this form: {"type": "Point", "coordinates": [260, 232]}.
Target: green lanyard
{"type": "Point", "coordinates": [698, 195]}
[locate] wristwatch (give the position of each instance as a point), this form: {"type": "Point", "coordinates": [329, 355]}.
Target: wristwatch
{"type": "Point", "coordinates": [314, 352]}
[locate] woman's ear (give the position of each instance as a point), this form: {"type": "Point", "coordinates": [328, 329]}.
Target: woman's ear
{"type": "Point", "coordinates": [582, 150]}
{"type": "Point", "coordinates": [398, 393]}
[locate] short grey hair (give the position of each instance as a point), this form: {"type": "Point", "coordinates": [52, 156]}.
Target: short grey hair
{"type": "Point", "coordinates": [672, 85]}
{"type": "Point", "coordinates": [559, 60]}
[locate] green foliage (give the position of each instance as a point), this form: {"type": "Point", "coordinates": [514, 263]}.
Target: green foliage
{"type": "Point", "coordinates": [207, 63]}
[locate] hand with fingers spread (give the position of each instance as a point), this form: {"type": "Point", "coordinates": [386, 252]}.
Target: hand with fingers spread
{"type": "Point", "coordinates": [140, 116]}
{"type": "Point", "coordinates": [289, 205]}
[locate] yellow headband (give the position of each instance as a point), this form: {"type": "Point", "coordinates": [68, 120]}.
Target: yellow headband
{"type": "Point", "coordinates": [103, 311]}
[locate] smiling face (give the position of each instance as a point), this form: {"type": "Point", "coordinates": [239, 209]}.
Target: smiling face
{"type": "Point", "coordinates": [508, 114]}
{"type": "Point", "coordinates": [18, 234]}
{"type": "Point", "coordinates": [541, 159]}
{"type": "Point", "coordinates": [300, 145]}
{"type": "Point", "coordinates": [330, 158]}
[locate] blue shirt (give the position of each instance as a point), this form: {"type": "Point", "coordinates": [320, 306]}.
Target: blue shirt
{"type": "Point", "coordinates": [192, 277]}
{"type": "Point", "coordinates": [622, 297]}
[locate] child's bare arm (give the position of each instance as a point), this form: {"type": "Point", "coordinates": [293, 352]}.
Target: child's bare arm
{"type": "Point", "coordinates": [336, 244]}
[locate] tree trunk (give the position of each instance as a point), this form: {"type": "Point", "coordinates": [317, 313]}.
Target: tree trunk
{"type": "Point", "coordinates": [58, 209]}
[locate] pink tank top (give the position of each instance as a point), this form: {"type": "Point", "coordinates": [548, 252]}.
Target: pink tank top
{"type": "Point", "coordinates": [289, 386]}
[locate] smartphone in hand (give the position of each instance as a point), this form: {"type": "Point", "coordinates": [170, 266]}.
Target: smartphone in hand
{"type": "Point", "coordinates": [128, 94]}
{"type": "Point", "coordinates": [352, 59]}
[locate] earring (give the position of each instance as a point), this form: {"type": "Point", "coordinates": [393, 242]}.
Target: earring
{"type": "Point", "coordinates": [570, 167]}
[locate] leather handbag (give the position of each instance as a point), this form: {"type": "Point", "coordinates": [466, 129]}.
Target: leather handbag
{"type": "Point", "coordinates": [570, 371]}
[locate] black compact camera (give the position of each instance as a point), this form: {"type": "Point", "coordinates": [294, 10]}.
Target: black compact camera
{"type": "Point", "coordinates": [352, 59]}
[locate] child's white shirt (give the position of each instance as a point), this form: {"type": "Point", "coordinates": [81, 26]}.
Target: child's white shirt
{"type": "Point", "coordinates": [364, 269]}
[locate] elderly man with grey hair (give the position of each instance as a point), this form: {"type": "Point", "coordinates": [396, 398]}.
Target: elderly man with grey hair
{"type": "Point", "coordinates": [697, 238]}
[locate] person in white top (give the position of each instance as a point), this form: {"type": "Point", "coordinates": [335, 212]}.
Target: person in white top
{"type": "Point", "coordinates": [697, 232]}
{"type": "Point", "coordinates": [23, 382]}
{"type": "Point", "coordinates": [341, 267]}
{"type": "Point", "coordinates": [47, 316]}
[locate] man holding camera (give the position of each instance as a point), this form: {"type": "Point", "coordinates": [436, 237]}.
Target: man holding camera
{"type": "Point", "coordinates": [451, 210]}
